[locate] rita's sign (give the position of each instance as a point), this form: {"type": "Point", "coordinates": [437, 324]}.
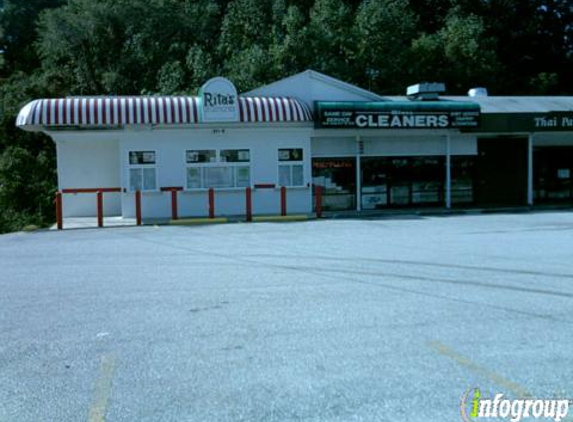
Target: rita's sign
{"type": "Point", "coordinates": [397, 115]}
{"type": "Point", "coordinates": [219, 101]}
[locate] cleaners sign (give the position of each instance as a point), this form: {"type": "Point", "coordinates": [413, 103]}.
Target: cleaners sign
{"type": "Point", "coordinates": [219, 101]}
{"type": "Point", "coordinates": [397, 115]}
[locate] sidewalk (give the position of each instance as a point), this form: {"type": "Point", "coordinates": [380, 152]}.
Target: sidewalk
{"type": "Point", "coordinates": [412, 213]}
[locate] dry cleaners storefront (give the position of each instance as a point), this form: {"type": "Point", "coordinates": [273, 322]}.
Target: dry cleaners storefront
{"type": "Point", "coordinates": [222, 153]}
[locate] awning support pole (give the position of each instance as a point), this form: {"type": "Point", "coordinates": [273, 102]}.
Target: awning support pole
{"type": "Point", "coordinates": [530, 170]}
{"type": "Point", "coordinates": [59, 213]}
{"type": "Point", "coordinates": [448, 173]}
{"type": "Point", "coordinates": [358, 174]}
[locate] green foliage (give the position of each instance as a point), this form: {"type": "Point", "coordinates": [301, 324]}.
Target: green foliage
{"type": "Point", "coordinates": [459, 53]}
{"type": "Point", "coordinates": [17, 33]}
{"type": "Point", "coordinates": [289, 51]}
{"type": "Point", "coordinates": [384, 31]}
{"type": "Point", "coordinates": [330, 38]}
{"type": "Point", "coordinates": [52, 48]}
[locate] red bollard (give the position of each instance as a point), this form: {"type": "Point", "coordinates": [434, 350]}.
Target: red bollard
{"type": "Point", "coordinates": [211, 203]}
{"type": "Point", "coordinates": [318, 198]}
{"type": "Point", "coordinates": [283, 201]}
{"type": "Point", "coordinates": [249, 195]}
{"type": "Point", "coordinates": [138, 207]}
{"type": "Point", "coordinates": [59, 215]}
{"type": "Point", "coordinates": [174, 214]}
{"type": "Point", "coordinates": [99, 208]}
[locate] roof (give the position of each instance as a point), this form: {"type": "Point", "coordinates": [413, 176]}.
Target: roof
{"type": "Point", "coordinates": [400, 105]}
{"type": "Point", "coordinates": [498, 104]}
{"type": "Point", "coordinates": [110, 112]}
{"type": "Point", "coordinates": [310, 86]}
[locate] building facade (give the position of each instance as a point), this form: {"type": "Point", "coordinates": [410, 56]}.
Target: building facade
{"type": "Point", "coordinates": [366, 151]}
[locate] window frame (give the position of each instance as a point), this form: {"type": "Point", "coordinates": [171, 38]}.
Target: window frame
{"type": "Point", "coordinates": [291, 164]}
{"type": "Point", "coordinates": [217, 163]}
{"type": "Point", "coordinates": [142, 167]}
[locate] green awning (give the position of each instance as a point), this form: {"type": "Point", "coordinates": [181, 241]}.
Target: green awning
{"type": "Point", "coordinates": [397, 115]}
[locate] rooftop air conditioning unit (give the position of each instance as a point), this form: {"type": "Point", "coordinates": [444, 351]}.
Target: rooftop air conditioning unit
{"type": "Point", "coordinates": [425, 91]}
{"type": "Point", "coordinates": [478, 92]}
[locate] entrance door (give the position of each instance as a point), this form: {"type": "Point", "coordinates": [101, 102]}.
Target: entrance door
{"type": "Point", "coordinates": [501, 172]}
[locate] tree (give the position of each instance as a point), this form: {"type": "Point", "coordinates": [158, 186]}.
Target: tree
{"type": "Point", "coordinates": [384, 31]}
{"type": "Point", "coordinates": [18, 33]}
{"type": "Point", "coordinates": [246, 23]}
{"type": "Point", "coordinates": [459, 54]}
{"type": "Point", "coordinates": [27, 161]}
{"type": "Point", "coordinates": [120, 46]}
{"type": "Point", "coordinates": [330, 38]}
{"type": "Point", "coordinates": [289, 51]}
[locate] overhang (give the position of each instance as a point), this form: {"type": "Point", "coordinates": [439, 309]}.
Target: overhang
{"type": "Point", "coordinates": [113, 112]}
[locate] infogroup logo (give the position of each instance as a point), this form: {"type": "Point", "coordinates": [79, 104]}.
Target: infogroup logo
{"type": "Point", "coordinates": [474, 406]}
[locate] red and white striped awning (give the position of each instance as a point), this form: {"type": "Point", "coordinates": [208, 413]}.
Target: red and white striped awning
{"type": "Point", "coordinates": [273, 109]}
{"type": "Point", "coordinates": [110, 112]}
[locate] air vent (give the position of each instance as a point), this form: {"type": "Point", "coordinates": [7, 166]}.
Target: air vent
{"type": "Point", "coordinates": [426, 91]}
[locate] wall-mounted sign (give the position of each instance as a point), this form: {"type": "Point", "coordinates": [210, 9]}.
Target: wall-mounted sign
{"type": "Point", "coordinates": [333, 164]}
{"type": "Point", "coordinates": [219, 101]}
{"type": "Point", "coordinates": [397, 115]}
{"type": "Point", "coordinates": [554, 122]}
{"type": "Point", "coordinates": [557, 121]}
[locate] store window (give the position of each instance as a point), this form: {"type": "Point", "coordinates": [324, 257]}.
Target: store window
{"type": "Point", "coordinates": [463, 175]}
{"type": "Point", "coordinates": [375, 183]}
{"type": "Point", "coordinates": [553, 174]}
{"type": "Point", "coordinates": [428, 180]}
{"type": "Point", "coordinates": [402, 181]}
{"type": "Point", "coordinates": [229, 168]}
{"type": "Point", "coordinates": [142, 171]}
{"type": "Point", "coordinates": [291, 168]}
{"type": "Point", "coordinates": [337, 177]}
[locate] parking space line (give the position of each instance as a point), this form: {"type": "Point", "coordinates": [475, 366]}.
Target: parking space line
{"type": "Point", "coordinates": [516, 389]}
{"type": "Point", "coordinates": [102, 389]}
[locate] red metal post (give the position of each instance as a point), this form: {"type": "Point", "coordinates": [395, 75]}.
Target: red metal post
{"type": "Point", "coordinates": [283, 201]}
{"type": "Point", "coordinates": [249, 195]}
{"type": "Point", "coordinates": [138, 207]}
{"type": "Point", "coordinates": [211, 203]}
{"type": "Point", "coordinates": [59, 215]}
{"type": "Point", "coordinates": [174, 214]}
{"type": "Point", "coordinates": [100, 209]}
{"type": "Point", "coordinates": [318, 198]}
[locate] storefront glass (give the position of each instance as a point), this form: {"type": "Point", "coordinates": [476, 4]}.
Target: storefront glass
{"type": "Point", "coordinates": [553, 174]}
{"type": "Point", "coordinates": [402, 181]}
{"type": "Point", "coordinates": [337, 176]}
{"type": "Point", "coordinates": [463, 176]}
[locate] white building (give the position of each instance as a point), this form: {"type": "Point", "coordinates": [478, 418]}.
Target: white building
{"type": "Point", "coordinates": [365, 150]}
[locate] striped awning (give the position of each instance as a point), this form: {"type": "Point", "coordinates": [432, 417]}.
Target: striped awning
{"type": "Point", "coordinates": [273, 109]}
{"type": "Point", "coordinates": [110, 112]}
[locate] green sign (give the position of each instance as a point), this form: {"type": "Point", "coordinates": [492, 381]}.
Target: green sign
{"type": "Point", "coordinates": [397, 115]}
{"type": "Point", "coordinates": [558, 121]}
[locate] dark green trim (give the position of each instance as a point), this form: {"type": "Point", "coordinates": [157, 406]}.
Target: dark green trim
{"type": "Point", "coordinates": [397, 106]}
{"type": "Point", "coordinates": [558, 121]}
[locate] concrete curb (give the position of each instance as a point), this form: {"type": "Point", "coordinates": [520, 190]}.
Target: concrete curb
{"type": "Point", "coordinates": [280, 218]}
{"type": "Point", "coordinates": [197, 221]}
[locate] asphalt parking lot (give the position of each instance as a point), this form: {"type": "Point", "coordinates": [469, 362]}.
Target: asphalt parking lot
{"type": "Point", "coordinates": [334, 320]}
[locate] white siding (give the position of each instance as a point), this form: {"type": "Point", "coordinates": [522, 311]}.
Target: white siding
{"type": "Point", "coordinates": [88, 165]}
{"type": "Point", "coordinates": [394, 145]}
{"type": "Point", "coordinates": [171, 146]}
